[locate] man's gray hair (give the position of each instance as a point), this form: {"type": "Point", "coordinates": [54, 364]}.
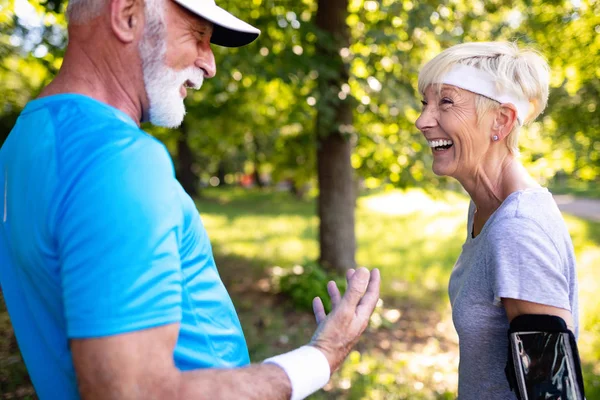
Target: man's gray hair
{"type": "Point", "coordinates": [82, 11]}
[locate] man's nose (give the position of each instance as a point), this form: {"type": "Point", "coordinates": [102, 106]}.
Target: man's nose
{"type": "Point", "coordinates": [206, 60]}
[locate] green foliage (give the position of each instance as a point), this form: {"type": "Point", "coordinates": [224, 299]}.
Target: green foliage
{"type": "Point", "coordinates": [32, 39]}
{"type": "Point", "coordinates": [302, 283]}
{"type": "Point", "coordinates": [259, 112]}
{"type": "Point", "coordinates": [567, 139]}
{"type": "Point", "coordinates": [390, 40]}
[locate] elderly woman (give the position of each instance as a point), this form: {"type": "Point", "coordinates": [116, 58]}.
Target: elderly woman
{"type": "Point", "coordinates": [518, 257]}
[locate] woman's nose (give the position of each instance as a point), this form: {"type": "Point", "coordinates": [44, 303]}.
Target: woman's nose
{"type": "Point", "coordinates": [425, 121]}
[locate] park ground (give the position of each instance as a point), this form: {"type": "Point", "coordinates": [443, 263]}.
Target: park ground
{"type": "Point", "coordinates": [410, 350]}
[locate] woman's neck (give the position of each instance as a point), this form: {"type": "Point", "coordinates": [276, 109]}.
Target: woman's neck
{"type": "Point", "coordinates": [492, 183]}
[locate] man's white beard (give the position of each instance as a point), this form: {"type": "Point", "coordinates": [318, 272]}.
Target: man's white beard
{"type": "Point", "coordinates": [163, 84]}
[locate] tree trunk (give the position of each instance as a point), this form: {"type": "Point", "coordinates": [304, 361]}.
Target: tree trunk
{"type": "Point", "coordinates": [257, 177]}
{"type": "Point", "coordinates": [256, 172]}
{"type": "Point", "coordinates": [221, 172]}
{"type": "Point", "coordinates": [185, 157]}
{"type": "Point", "coordinates": [336, 202]}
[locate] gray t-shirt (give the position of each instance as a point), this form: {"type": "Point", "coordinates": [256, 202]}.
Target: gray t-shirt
{"type": "Point", "coordinates": [524, 252]}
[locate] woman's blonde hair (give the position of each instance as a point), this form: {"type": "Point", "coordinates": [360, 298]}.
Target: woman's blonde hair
{"type": "Point", "coordinates": [522, 71]}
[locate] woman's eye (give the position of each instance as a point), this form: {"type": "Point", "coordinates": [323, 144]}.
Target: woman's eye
{"type": "Point", "coordinates": [446, 100]}
{"type": "Point", "coordinates": [423, 103]}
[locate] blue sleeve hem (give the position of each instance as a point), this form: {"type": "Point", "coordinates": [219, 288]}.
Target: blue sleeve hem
{"type": "Point", "coordinates": [109, 328]}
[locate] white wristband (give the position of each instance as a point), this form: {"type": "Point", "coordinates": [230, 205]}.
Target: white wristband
{"type": "Point", "coordinates": [306, 367]}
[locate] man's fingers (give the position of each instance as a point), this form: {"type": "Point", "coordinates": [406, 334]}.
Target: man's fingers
{"type": "Point", "coordinates": [357, 286]}
{"type": "Point", "coordinates": [318, 309]}
{"type": "Point", "coordinates": [369, 300]}
{"type": "Point", "coordinates": [334, 294]}
{"type": "Point", "coordinates": [349, 274]}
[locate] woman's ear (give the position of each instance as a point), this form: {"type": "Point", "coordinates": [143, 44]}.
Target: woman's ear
{"type": "Point", "coordinates": [126, 19]}
{"type": "Point", "coordinates": [504, 121]}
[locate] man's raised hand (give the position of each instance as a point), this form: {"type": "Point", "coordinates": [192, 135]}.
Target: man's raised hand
{"type": "Point", "coordinates": [339, 331]}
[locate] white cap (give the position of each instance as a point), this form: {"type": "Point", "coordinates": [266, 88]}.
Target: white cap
{"type": "Point", "coordinates": [229, 31]}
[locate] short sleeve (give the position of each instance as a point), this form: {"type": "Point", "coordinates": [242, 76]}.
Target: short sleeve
{"type": "Point", "coordinates": [525, 264]}
{"type": "Point", "coordinates": [117, 235]}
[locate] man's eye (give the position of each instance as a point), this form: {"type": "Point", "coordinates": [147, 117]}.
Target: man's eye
{"type": "Point", "coordinates": [200, 34]}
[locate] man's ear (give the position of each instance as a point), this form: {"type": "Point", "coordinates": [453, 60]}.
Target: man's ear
{"type": "Point", "coordinates": [504, 121]}
{"type": "Point", "coordinates": [127, 19]}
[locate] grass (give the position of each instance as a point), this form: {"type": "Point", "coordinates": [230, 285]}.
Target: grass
{"type": "Point", "coordinates": [586, 240]}
{"type": "Point", "coordinates": [274, 229]}
{"type": "Point", "coordinates": [14, 381]}
{"type": "Point", "coordinates": [589, 189]}
{"type": "Point", "coordinates": [410, 348]}
{"type": "Point", "coordinates": [414, 239]}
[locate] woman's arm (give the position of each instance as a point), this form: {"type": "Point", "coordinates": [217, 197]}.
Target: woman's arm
{"type": "Point", "coordinates": [515, 307]}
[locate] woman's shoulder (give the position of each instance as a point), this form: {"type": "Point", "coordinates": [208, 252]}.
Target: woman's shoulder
{"type": "Point", "coordinates": [535, 205]}
{"type": "Point", "coordinates": [531, 212]}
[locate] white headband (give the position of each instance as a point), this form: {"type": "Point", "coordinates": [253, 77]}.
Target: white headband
{"type": "Point", "coordinates": [478, 81]}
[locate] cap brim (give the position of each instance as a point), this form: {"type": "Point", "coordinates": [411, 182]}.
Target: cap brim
{"type": "Point", "coordinates": [228, 31]}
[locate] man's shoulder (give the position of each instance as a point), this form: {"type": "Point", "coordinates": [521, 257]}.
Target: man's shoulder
{"type": "Point", "coordinates": [92, 142]}
{"type": "Point", "coordinates": [88, 131]}
{"type": "Point", "coordinates": [79, 118]}
{"type": "Point", "coordinates": [91, 117]}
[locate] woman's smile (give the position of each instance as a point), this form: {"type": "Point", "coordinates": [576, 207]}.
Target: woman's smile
{"type": "Point", "coordinates": [440, 145]}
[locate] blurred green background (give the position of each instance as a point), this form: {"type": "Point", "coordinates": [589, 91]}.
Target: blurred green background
{"type": "Point", "coordinates": [248, 152]}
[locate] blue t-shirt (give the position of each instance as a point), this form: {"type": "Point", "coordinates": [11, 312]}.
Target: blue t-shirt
{"type": "Point", "coordinates": [98, 238]}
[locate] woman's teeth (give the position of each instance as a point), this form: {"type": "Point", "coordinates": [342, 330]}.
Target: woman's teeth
{"type": "Point", "coordinates": [440, 144]}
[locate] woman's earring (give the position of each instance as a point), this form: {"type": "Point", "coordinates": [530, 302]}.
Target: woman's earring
{"type": "Point", "coordinates": [495, 138]}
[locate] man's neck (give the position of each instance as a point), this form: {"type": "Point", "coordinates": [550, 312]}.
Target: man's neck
{"type": "Point", "coordinates": [100, 76]}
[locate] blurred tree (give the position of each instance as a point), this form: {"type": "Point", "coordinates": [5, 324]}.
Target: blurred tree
{"type": "Point", "coordinates": [336, 201]}
{"type": "Point", "coordinates": [568, 34]}
{"type": "Point", "coordinates": [185, 166]}
{"type": "Point", "coordinates": [31, 43]}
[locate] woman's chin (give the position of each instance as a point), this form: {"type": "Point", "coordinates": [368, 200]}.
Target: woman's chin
{"type": "Point", "coordinates": [440, 170]}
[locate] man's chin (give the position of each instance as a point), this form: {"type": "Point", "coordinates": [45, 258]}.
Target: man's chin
{"type": "Point", "coordinates": [167, 118]}
{"type": "Point", "coordinates": [170, 123]}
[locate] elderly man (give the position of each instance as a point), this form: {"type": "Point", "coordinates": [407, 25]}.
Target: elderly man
{"type": "Point", "coordinates": [105, 266]}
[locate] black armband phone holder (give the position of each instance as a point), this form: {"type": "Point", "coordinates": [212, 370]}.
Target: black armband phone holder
{"type": "Point", "coordinates": [543, 360]}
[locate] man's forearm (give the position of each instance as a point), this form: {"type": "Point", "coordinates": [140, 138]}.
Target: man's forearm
{"type": "Point", "coordinates": [257, 381]}
{"type": "Point", "coordinates": [140, 365]}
